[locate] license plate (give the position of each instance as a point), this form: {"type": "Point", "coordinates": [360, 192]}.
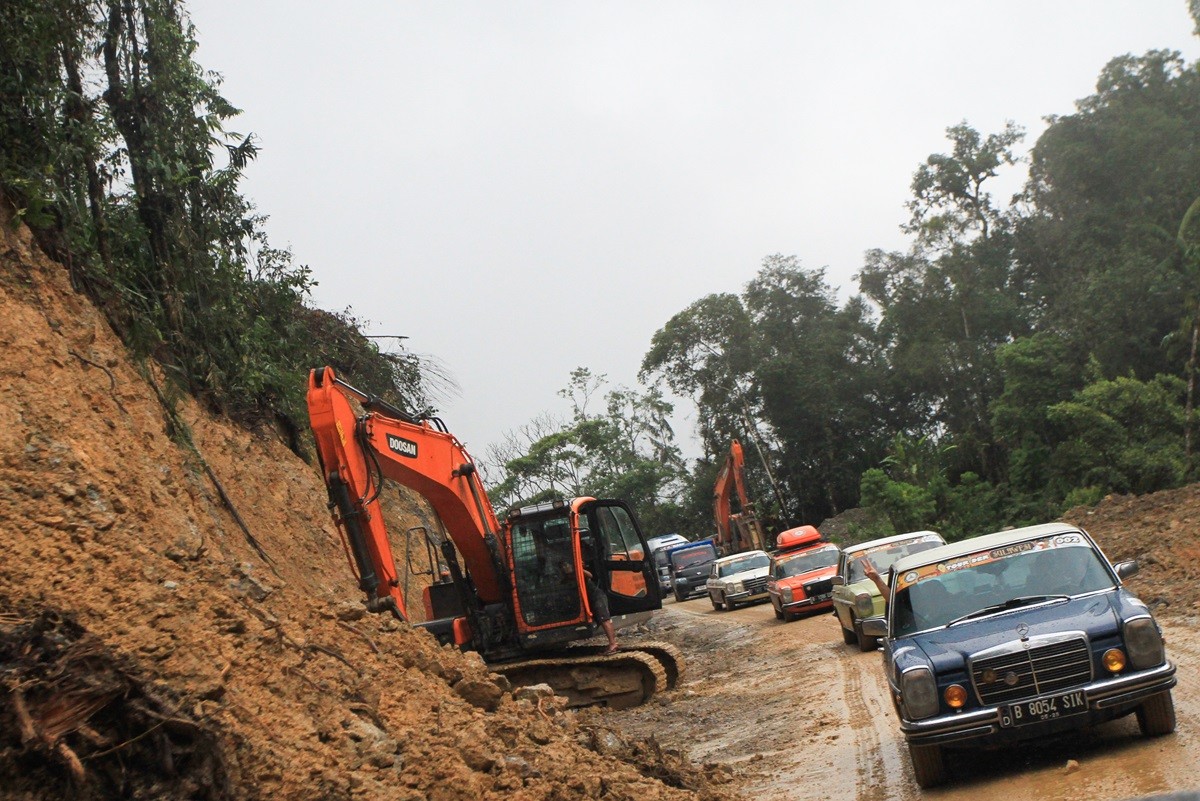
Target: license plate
{"type": "Point", "coordinates": [1040, 709]}
{"type": "Point", "coordinates": [825, 596]}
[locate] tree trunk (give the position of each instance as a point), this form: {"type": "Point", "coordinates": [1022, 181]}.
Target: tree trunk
{"type": "Point", "coordinates": [77, 111]}
{"type": "Point", "coordinates": [1191, 391]}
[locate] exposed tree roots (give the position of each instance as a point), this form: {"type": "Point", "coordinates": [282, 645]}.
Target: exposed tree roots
{"type": "Point", "coordinates": [77, 721]}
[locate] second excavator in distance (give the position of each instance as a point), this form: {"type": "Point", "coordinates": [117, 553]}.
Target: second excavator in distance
{"type": "Point", "coordinates": [736, 531]}
{"type": "Point", "coordinates": [520, 596]}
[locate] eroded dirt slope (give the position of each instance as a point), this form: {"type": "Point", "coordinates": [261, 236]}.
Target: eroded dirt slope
{"type": "Point", "coordinates": [148, 650]}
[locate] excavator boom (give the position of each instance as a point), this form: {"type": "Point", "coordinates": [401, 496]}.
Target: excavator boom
{"type": "Point", "coordinates": [357, 452]}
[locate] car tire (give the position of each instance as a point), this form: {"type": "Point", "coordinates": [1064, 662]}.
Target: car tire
{"type": "Point", "coordinates": [865, 643]}
{"type": "Point", "coordinates": [848, 636]}
{"type": "Point", "coordinates": [779, 615]}
{"type": "Point", "coordinates": [718, 606]}
{"type": "Point", "coordinates": [678, 597]}
{"type": "Point", "coordinates": [928, 765]}
{"type": "Point", "coordinates": [1156, 715]}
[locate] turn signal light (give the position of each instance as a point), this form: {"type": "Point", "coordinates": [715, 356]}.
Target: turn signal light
{"type": "Point", "coordinates": [955, 696]}
{"type": "Point", "coordinates": [1114, 660]}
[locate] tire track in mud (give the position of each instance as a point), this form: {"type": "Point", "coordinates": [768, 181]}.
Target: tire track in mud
{"type": "Point", "coordinates": [881, 761]}
{"type": "Point", "coordinates": [869, 776]}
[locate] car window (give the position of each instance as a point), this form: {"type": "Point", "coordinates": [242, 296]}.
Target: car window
{"type": "Point", "coordinates": [617, 533]}
{"type": "Point", "coordinates": [934, 595]}
{"type": "Point", "coordinates": [692, 557]}
{"type": "Point", "coordinates": [744, 564]}
{"type": "Point", "coordinates": [885, 556]}
{"type": "Point", "coordinates": [788, 566]}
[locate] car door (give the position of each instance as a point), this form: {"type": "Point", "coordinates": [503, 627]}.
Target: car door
{"type": "Point", "coordinates": [618, 551]}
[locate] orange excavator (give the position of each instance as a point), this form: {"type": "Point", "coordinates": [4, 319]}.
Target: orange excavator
{"type": "Point", "coordinates": [736, 531]}
{"type": "Point", "coordinates": [523, 593]}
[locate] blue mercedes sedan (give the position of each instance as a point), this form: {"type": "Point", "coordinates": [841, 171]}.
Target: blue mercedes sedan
{"type": "Point", "coordinates": [1013, 636]}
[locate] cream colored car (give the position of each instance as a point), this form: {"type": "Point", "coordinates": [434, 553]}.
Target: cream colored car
{"type": "Point", "coordinates": [855, 597]}
{"type": "Point", "coordinates": [738, 579]}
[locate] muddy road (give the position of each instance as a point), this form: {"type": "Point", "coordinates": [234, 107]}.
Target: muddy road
{"type": "Point", "coordinates": [791, 710]}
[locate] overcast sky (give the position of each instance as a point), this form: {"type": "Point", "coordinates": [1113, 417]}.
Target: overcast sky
{"type": "Point", "coordinates": [522, 188]}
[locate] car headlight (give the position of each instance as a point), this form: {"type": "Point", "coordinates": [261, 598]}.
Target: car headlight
{"type": "Point", "coordinates": [1144, 644]}
{"type": "Point", "coordinates": [919, 691]}
{"type": "Point", "coordinates": [786, 595]}
{"type": "Point", "coordinates": [735, 586]}
{"type": "Point", "coordinates": [863, 604]}
{"type": "Point", "coordinates": [680, 580]}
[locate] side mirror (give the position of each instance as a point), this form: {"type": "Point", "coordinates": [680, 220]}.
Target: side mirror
{"type": "Point", "coordinates": [874, 627]}
{"type": "Point", "coordinates": [838, 581]}
{"type": "Point", "coordinates": [1127, 569]}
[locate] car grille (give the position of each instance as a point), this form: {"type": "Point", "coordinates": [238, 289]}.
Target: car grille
{"type": "Point", "coordinates": [755, 585]}
{"type": "Point", "coordinates": [818, 587]}
{"type": "Point", "coordinates": [1038, 670]}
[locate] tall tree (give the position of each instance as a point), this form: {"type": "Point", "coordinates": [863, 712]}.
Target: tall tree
{"type": "Point", "coordinates": [707, 352]}
{"type": "Point", "coordinates": [626, 450]}
{"type": "Point", "coordinates": [1102, 181]}
{"type": "Point", "coordinates": [817, 369]}
{"type": "Point", "coordinates": [954, 298]}
{"type": "Point", "coordinates": [1186, 259]}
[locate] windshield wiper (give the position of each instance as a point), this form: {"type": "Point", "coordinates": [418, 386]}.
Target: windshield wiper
{"type": "Point", "coordinates": [1011, 603]}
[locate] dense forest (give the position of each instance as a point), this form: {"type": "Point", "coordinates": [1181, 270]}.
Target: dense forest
{"type": "Point", "coordinates": [114, 151]}
{"type": "Point", "coordinates": [1022, 355]}
{"type": "Point", "coordinates": [1019, 358]}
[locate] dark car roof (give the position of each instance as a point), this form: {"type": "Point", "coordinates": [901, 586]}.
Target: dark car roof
{"type": "Point", "coordinates": [684, 545]}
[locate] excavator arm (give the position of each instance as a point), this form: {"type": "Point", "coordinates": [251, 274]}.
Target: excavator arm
{"type": "Point", "coordinates": [740, 531]}
{"type": "Point", "coordinates": [521, 607]}
{"type": "Point", "coordinates": [729, 479]}
{"type": "Point", "coordinates": [357, 451]}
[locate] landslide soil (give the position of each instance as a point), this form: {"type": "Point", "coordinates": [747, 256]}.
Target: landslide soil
{"type": "Point", "coordinates": [178, 618]}
{"type": "Point", "coordinates": [160, 641]}
{"type": "Point", "coordinates": [790, 709]}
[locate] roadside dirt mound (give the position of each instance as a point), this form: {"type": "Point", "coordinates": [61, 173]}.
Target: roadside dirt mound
{"type": "Point", "coordinates": [150, 647]}
{"type": "Point", "coordinates": [1162, 532]}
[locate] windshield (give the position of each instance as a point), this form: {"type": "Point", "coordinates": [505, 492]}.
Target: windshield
{"type": "Point", "coordinates": [660, 557]}
{"type": "Point", "coordinates": [1004, 578]}
{"type": "Point", "coordinates": [883, 557]}
{"type": "Point", "coordinates": [693, 556]}
{"type": "Point", "coordinates": [744, 564]}
{"type": "Point", "coordinates": [788, 566]}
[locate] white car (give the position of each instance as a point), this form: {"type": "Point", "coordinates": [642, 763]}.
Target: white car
{"type": "Point", "coordinates": [738, 579]}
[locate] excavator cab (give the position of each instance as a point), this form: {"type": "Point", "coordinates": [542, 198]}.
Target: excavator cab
{"type": "Point", "coordinates": [551, 545]}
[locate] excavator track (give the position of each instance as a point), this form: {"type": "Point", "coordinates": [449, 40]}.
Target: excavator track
{"type": "Point", "coordinates": [589, 677]}
{"type": "Point", "coordinates": [668, 656]}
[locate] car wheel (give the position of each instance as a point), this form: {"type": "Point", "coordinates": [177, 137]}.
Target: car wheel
{"type": "Point", "coordinates": [730, 605]}
{"type": "Point", "coordinates": [865, 643]}
{"type": "Point", "coordinates": [678, 597]}
{"type": "Point", "coordinates": [928, 765]}
{"type": "Point", "coordinates": [718, 606]}
{"type": "Point", "coordinates": [848, 636]}
{"type": "Point", "coordinates": [791, 617]}
{"type": "Point", "coordinates": [1156, 715]}
{"type": "Point", "coordinates": [780, 615]}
